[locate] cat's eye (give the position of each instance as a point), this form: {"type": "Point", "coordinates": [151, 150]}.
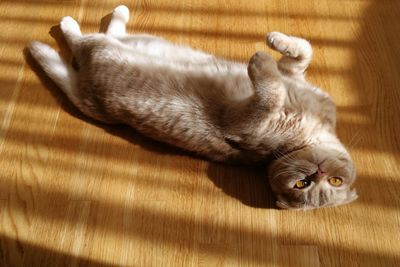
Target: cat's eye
{"type": "Point", "coordinates": [300, 184]}
{"type": "Point", "coordinates": [335, 181]}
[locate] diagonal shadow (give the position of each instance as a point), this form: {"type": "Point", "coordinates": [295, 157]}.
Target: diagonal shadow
{"type": "Point", "coordinates": [157, 222]}
{"type": "Point", "coordinates": [376, 82]}
{"type": "Point", "coordinates": [36, 255]}
{"type": "Point", "coordinates": [151, 8]}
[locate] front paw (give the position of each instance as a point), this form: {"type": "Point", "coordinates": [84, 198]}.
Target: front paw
{"type": "Point", "coordinates": [282, 43]}
{"type": "Point", "coordinates": [261, 63]}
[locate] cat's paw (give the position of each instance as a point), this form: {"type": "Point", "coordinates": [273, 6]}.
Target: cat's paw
{"type": "Point", "coordinates": [282, 43]}
{"type": "Point", "coordinates": [288, 45]}
{"type": "Point", "coordinates": [259, 59]}
{"type": "Point", "coordinates": [68, 24]}
{"type": "Point", "coordinates": [260, 63]}
{"type": "Point", "coordinates": [122, 12]}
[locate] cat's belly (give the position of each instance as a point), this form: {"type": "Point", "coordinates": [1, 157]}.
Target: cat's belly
{"type": "Point", "coordinates": [178, 109]}
{"type": "Point", "coordinates": [303, 98]}
{"type": "Point", "coordinates": [177, 103]}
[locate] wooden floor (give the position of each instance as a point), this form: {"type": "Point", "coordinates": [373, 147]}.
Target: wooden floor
{"type": "Point", "coordinates": [77, 193]}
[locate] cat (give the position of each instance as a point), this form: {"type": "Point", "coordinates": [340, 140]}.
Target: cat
{"type": "Point", "coordinates": [222, 110]}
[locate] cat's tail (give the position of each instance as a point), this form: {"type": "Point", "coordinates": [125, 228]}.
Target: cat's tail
{"type": "Point", "coordinates": [59, 71]}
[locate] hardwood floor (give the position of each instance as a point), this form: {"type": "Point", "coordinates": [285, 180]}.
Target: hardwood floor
{"type": "Point", "coordinates": [74, 192]}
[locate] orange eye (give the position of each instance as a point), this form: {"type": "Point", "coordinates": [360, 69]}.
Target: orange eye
{"type": "Point", "coordinates": [335, 181]}
{"type": "Point", "coordinates": [300, 184]}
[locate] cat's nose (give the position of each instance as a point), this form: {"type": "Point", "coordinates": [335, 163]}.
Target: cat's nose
{"type": "Point", "coordinates": [319, 173]}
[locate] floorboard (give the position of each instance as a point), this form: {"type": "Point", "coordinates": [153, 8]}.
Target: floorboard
{"type": "Point", "coordinates": [74, 192]}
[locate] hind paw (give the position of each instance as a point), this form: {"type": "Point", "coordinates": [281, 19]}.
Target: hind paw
{"type": "Point", "coordinates": [68, 24]}
{"type": "Point", "coordinates": [122, 12]}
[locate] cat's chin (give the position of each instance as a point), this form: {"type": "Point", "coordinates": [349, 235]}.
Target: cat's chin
{"type": "Point", "coordinates": [352, 196]}
{"type": "Point", "coordinates": [283, 206]}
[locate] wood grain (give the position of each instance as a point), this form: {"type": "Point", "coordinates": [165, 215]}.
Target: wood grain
{"type": "Point", "coordinates": [74, 192]}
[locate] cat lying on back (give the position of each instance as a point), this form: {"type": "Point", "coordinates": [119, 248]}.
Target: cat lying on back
{"type": "Point", "coordinates": [222, 110]}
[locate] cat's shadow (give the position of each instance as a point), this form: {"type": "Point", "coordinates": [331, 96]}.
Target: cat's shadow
{"type": "Point", "coordinates": [247, 184]}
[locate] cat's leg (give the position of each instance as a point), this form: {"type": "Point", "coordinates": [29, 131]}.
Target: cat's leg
{"type": "Point", "coordinates": [56, 68]}
{"type": "Point", "coordinates": [165, 50]}
{"type": "Point", "coordinates": [119, 19]}
{"type": "Point", "coordinates": [297, 53]}
{"type": "Point", "coordinates": [72, 33]}
{"type": "Point", "coordinates": [267, 81]}
{"type": "Point", "coordinates": [149, 44]}
{"type": "Point", "coordinates": [117, 28]}
{"type": "Point", "coordinates": [241, 119]}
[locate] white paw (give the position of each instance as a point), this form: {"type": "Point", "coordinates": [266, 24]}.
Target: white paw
{"type": "Point", "coordinates": [69, 24]}
{"type": "Point", "coordinates": [289, 45]}
{"type": "Point", "coordinates": [122, 12]}
{"type": "Point", "coordinates": [282, 43]}
{"type": "Point", "coordinates": [38, 49]}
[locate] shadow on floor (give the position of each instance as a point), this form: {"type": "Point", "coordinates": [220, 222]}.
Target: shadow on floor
{"type": "Point", "coordinates": [249, 186]}
{"type": "Point", "coordinates": [35, 255]}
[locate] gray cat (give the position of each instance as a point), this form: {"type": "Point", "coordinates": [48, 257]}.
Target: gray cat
{"type": "Point", "coordinates": [223, 110]}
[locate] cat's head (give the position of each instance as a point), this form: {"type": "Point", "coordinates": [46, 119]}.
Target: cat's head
{"type": "Point", "coordinates": [318, 175]}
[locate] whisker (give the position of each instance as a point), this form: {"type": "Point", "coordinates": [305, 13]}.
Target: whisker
{"type": "Point", "coordinates": [353, 141]}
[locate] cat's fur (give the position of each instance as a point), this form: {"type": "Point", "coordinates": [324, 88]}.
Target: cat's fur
{"type": "Point", "coordinates": [223, 110]}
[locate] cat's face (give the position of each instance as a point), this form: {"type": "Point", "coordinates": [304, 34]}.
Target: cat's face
{"type": "Point", "coordinates": [313, 177]}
